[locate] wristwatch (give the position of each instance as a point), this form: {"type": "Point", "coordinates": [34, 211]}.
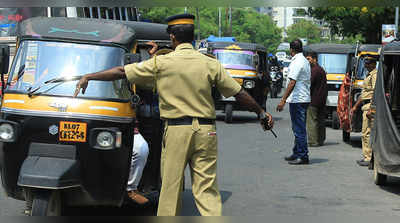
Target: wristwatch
{"type": "Point", "coordinates": [262, 115]}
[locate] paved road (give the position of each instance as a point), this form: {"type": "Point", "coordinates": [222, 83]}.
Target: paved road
{"type": "Point", "coordinates": [256, 181]}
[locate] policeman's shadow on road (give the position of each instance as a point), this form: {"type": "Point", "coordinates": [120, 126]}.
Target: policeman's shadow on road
{"type": "Point", "coordinates": [189, 207]}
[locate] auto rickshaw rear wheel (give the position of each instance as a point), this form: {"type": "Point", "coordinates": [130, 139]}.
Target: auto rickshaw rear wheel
{"type": "Point", "coordinates": [46, 203]}
{"type": "Point", "coordinates": [345, 136]}
{"type": "Point", "coordinates": [228, 113]}
{"type": "Point", "coordinates": [335, 120]}
{"type": "Point", "coordinates": [379, 179]}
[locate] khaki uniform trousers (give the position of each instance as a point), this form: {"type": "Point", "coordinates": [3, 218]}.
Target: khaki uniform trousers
{"type": "Point", "coordinates": [316, 131]}
{"type": "Point", "coordinates": [366, 132]}
{"type": "Point", "coordinates": [195, 145]}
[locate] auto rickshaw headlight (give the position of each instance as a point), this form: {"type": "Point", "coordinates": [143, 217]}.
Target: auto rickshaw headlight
{"type": "Point", "coordinates": [6, 132]}
{"type": "Point", "coordinates": [105, 138]}
{"type": "Point", "coordinates": [249, 84]}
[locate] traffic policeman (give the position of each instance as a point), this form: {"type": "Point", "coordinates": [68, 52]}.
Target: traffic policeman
{"type": "Point", "coordinates": [184, 79]}
{"type": "Point", "coordinates": [365, 99]}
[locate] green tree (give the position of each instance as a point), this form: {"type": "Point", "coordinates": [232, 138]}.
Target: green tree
{"type": "Point", "coordinates": [304, 29]}
{"type": "Point", "coordinates": [247, 24]}
{"type": "Point", "coordinates": [350, 21]}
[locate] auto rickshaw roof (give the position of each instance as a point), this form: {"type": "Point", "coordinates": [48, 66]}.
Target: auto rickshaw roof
{"type": "Point", "coordinates": [77, 29]}
{"type": "Point", "coordinates": [369, 48]}
{"type": "Point", "coordinates": [237, 46]}
{"type": "Point", "coordinates": [392, 48]}
{"type": "Point", "coordinates": [330, 48]}
{"type": "Point", "coordinates": [148, 31]}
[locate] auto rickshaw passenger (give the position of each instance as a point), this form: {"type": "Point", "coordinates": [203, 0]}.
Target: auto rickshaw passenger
{"type": "Point", "coordinates": [365, 99]}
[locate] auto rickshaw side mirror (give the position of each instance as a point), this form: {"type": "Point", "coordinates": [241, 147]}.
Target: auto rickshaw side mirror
{"type": "Point", "coordinates": [131, 58]}
{"type": "Point", "coordinates": [4, 58]}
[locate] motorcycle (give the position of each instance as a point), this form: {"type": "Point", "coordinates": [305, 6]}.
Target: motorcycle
{"type": "Point", "coordinates": [277, 80]}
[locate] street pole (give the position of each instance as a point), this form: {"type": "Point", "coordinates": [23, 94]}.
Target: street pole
{"type": "Point", "coordinates": [198, 23]}
{"type": "Point", "coordinates": [230, 20]}
{"type": "Point", "coordinates": [396, 22]}
{"type": "Point", "coordinates": [219, 21]}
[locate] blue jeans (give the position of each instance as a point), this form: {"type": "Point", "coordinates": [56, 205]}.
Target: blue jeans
{"type": "Point", "coordinates": [298, 114]}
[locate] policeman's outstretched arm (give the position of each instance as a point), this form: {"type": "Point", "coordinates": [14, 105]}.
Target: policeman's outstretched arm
{"type": "Point", "coordinates": [247, 101]}
{"type": "Point", "coordinates": [112, 74]}
{"type": "Point", "coordinates": [287, 93]}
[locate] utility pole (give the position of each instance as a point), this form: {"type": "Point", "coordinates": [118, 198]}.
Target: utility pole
{"type": "Point", "coordinates": [230, 20]}
{"type": "Point", "coordinates": [219, 21]}
{"type": "Point", "coordinates": [198, 23]}
{"type": "Point", "coordinates": [396, 21]}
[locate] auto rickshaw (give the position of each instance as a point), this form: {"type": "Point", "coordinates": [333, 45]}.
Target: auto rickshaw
{"type": "Point", "coordinates": [385, 133]}
{"type": "Point", "coordinates": [333, 58]}
{"type": "Point", "coordinates": [59, 151]}
{"type": "Point", "coordinates": [247, 64]}
{"type": "Point", "coordinates": [351, 89]}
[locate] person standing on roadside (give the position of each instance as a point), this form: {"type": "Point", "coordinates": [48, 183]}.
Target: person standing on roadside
{"type": "Point", "coordinates": [365, 100]}
{"type": "Point", "coordinates": [297, 94]}
{"type": "Point", "coordinates": [316, 130]}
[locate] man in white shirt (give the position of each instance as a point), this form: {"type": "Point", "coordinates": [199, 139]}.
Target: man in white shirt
{"type": "Point", "coordinates": [297, 94]}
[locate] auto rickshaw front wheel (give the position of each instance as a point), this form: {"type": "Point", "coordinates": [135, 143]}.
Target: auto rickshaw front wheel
{"type": "Point", "coordinates": [46, 203]}
{"type": "Point", "coordinates": [345, 136]}
{"type": "Point", "coordinates": [335, 120]}
{"type": "Point", "coordinates": [228, 113]}
{"type": "Point", "coordinates": [379, 179]}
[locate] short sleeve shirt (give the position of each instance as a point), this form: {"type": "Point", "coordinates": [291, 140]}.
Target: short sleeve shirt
{"type": "Point", "coordinates": [184, 80]}
{"type": "Point", "coordinates": [300, 71]}
{"type": "Point", "coordinates": [368, 88]}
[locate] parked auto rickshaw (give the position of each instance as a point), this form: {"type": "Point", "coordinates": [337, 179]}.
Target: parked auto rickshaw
{"type": "Point", "coordinates": [61, 151]}
{"type": "Point", "coordinates": [385, 133]}
{"type": "Point", "coordinates": [351, 89]}
{"type": "Point", "coordinates": [247, 64]}
{"type": "Point", "coordinates": [334, 59]}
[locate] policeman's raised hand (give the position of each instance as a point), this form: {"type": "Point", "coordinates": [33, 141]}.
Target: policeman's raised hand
{"type": "Point", "coordinates": [280, 106]}
{"type": "Point", "coordinates": [82, 84]}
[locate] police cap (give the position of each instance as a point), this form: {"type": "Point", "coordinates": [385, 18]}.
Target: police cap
{"type": "Point", "coordinates": [180, 19]}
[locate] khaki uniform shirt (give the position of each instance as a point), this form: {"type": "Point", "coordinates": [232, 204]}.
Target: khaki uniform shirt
{"type": "Point", "coordinates": [368, 89]}
{"type": "Point", "coordinates": [184, 79]}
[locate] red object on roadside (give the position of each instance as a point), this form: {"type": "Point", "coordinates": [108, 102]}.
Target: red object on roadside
{"type": "Point", "coordinates": [345, 104]}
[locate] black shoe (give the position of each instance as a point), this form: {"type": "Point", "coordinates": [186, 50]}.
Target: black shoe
{"type": "Point", "coordinates": [299, 161]}
{"type": "Point", "coordinates": [290, 158]}
{"type": "Point", "coordinates": [363, 163]}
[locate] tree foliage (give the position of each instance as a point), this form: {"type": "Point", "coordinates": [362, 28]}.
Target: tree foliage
{"type": "Point", "coordinates": [247, 24]}
{"type": "Point", "coordinates": [304, 29]}
{"type": "Point", "coordinates": [350, 21]}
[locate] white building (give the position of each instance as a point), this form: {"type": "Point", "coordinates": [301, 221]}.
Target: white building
{"type": "Point", "coordinates": [287, 16]}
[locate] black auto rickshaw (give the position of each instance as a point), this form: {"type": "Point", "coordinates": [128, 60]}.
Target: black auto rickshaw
{"type": "Point", "coordinates": [385, 133]}
{"type": "Point", "coordinates": [61, 151]}
{"type": "Point", "coordinates": [247, 64]}
{"type": "Point", "coordinates": [334, 59]}
{"type": "Point", "coordinates": [351, 89]}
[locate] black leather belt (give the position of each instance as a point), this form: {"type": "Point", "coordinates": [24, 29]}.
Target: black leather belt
{"type": "Point", "coordinates": [366, 101]}
{"type": "Point", "coordinates": [188, 121]}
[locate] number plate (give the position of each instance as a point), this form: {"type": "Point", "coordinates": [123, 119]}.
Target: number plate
{"type": "Point", "coordinates": [72, 131]}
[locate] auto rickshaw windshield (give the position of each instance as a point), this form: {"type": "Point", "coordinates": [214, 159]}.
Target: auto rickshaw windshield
{"type": "Point", "coordinates": [333, 63]}
{"type": "Point", "coordinates": [236, 59]}
{"type": "Point", "coordinates": [40, 61]}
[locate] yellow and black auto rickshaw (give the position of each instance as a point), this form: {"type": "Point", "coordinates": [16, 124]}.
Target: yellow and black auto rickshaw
{"type": "Point", "coordinates": [351, 89]}
{"type": "Point", "coordinates": [60, 151]}
{"type": "Point", "coordinates": [385, 133]}
{"type": "Point", "coordinates": [333, 58]}
{"type": "Point", "coordinates": [247, 64]}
